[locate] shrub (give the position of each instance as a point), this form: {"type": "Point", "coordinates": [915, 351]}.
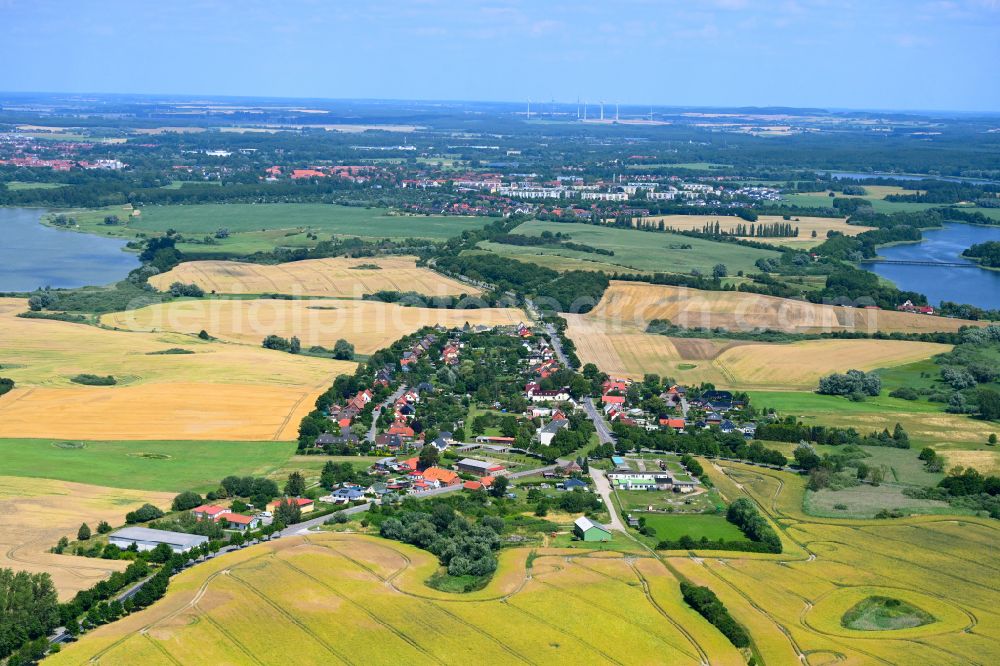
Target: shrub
{"type": "Point", "coordinates": [94, 380]}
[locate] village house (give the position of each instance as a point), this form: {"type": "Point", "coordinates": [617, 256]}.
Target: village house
{"type": "Point", "coordinates": [548, 432]}
{"type": "Point", "coordinates": [239, 522]}
{"type": "Point", "coordinates": [305, 504]}
{"type": "Point", "coordinates": [209, 512]}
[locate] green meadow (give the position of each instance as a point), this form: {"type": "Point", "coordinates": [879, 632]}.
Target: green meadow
{"type": "Point", "coordinates": [141, 465]}
{"type": "Point", "coordinates": [263, 227]}
{"type": "Point", "coordinates": [637, 250]}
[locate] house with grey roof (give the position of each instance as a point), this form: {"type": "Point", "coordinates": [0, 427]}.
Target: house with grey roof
{"type": "Point", "coordinates": [145, 538]}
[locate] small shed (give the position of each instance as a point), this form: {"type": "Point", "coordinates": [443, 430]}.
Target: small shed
{"type": "Point", "coordinates": [587, 530]}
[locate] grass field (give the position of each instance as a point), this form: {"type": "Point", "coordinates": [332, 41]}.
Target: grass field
{"type": "Point", "coordinates": [221, 391]}
{"type": "Point", "coordinates": [369, 325]}
{"type": "Point", "coordinates": [795, 366]}
{"type": "Point", "coordinates": [262, 227]}
{"type": "Point", "coordinates": [337, 277]}
{"type": "Point", "coordinates": [639, 250]}
{"type": "Point", "coordinates": [167, 466]}
{"type": "Point", "coordinates": [713, 526]}
{"type": "Point", "coordinates": [337, 598]}
{"type": "Point", "coordinates": [16, 186]}
{"type": "Point", "coordinates": [875, 194]}
{"type": "Point", "coordinates": [632, 305]}
{"type": "Point", "coordinates": [36, 513]}
{"type": "Point", "coordinates": [925, 423]}
{"type": "Point", "coordinates": [804, 239]}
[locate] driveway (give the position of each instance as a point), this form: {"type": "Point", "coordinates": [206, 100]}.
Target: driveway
{"type": "Point", "coordinates": [604, 490]}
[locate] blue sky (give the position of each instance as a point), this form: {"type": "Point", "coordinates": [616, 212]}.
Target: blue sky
{"type": "Point", "coordinates": [883, 54]}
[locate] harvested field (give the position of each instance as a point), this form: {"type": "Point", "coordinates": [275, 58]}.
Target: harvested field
{"type": "Point", "coordinates": [369, 325]}
{"type": "Point", "coordinates": [220, 391]}
{"type": "Point", "coordinates": [987, 462]}
{"type": "Point", "coordinates": [341, 598]}
{"type": "Point", "coordinates": [36, 513]}
{"type": "Point", "coordinates": [176, 410]}
{"type": "Point", "coordinates": [734, 364]}
{"type": "Point", "coordinates": [633, 305]}
{"type": "Point", "coordinates": [806, 226]}
{"type": "Point", "coordinates": [336, 277]}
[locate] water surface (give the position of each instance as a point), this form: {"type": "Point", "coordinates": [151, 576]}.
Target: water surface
{"type": "Point", "coordinates": [33, 255]}
{"type": "Point", "coordinates": [973, 285]}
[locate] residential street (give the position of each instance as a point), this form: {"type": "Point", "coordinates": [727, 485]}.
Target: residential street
{"type": "Point", "coordinates": [373, 431]}
{"type": "Point", "coordinates": [603, 430]}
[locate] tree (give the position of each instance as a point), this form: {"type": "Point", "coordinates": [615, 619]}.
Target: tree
{"type": "Point", "coordinates": [296, 485]}
{"type": "Point", "coordinates": [294, 345]}
{"type": "Point", "coordinates": [103, 527]}
{"type": "Point", "coordinates": [287, 512]}
{"type": "Point", "coordinates": [83, 534]}
{"type": "Point", "coordinates": [30, 609]}
{"type": "Point", "coordinates": [343, 350]}
{"type": "Point", "coordinates": [185, 501]}
{"type": "Point", "coordinates": [806, 458]}
{"type": "Point", "coordinates": [429, 457]}
{"type": "Point", "coordinates": [992, 439]}
{"type": "Point", "coordinates": [877, 476]}
{"type": "Point", "coordinates": [499, 486]}
{"type": "Point", "coordinates": [720, 271]}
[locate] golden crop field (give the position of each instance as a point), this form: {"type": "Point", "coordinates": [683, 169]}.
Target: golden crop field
{"type": "Point", "coordinates": [369, 325]}
{"type": "Point", "coordinates": [220, 391]}
{"type": "Point", "coordinates": [806, 226]}
{"type": "Point", "coordinates": [736, 364]}
{"type": "Point", "coordinates": [36, 513]}
{"type": "Point", "coordinates": [633, 305]}
{"type": "Point", "coordinates": [793, 603]}
{"type": "Point", "coordinates": [338, 277]}
{"type": "Point", "coordinates": [343, 598]}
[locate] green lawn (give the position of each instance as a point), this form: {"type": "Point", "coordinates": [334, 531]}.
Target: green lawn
{"type": "Point", "coordinates": [261, 227]}
{"type": "Point", "coordinates": [16, 185]}
{"type": "Point", "coordinates": [817, 200]}
{"type": "Point", "coordinates": [696, 526]}
{"type": "Point", "coordinates": [154, 465]}
{"type": "Point", "coordinates": [638, 250]}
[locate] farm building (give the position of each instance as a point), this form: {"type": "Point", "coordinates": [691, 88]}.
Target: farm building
{"type": "Point", "coordinates": [587, 530]}
{"type": "Point", "coordinates": [145, 538]}
{"type": "Point", "coordinates": [479, 467]}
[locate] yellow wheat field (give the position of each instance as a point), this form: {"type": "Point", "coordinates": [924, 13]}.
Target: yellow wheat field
{"type": "Point", "coordinates": [340, 598]}
{"type": "Point", "coordinates": [220, 391]}
{"type": "Point", "coordinates": [36, 513]}
{"type": "Point", "coordinates": [735, 364]}
{"type": "Point", "coordinates": [369, 325]}
{"type": "Point", "coordinates": [806, 226]}
{"type": "Point", "coordinates": [634, 305]}
{"type": "Point", "coordinates": [793, 603]}
{"type": "Point", "coordinates": [338, 277]}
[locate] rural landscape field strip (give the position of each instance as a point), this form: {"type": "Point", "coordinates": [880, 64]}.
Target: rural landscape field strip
{"type": "Point", "coordinates": [634, 305]}
{"type": "Point", "coordinates": [305, 598]}
{"type": "Point", "coordinates": [855, 554]}
{"type": "Point", "coordinates": [35, 513]}
{"type": "Point", "coordinates": [209, 390]}
{"type": "Point", "coordinates": [368, 325]}
{"type": "Point", "coordinates": [335, 277]}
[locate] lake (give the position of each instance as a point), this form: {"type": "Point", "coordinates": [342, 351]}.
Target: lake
{"type": "Point", "coordinates": [33, 255]}
{"type": "Point", "coordinates": [850, 175]}
{"type": "Point", "coordinates": [973, 285]}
